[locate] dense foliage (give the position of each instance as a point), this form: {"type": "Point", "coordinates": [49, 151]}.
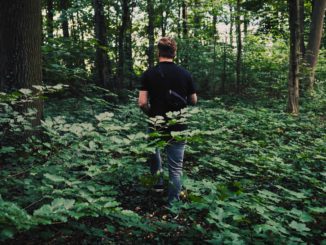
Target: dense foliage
{"type": "Point", "coordinates": [252, 174]}
{"type": "Point", "coordinates": [74, 150]}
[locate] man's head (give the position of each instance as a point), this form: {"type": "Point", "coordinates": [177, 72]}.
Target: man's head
{"type": "Point", "coordinates": [167, 47]}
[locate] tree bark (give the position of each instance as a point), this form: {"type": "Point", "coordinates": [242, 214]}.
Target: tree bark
{"type": "Point", "coordinates": [49, 18]}
{"type": "Point", "coordinates": [151, 19]}
{"type": "Point", "coordinates": [214, 36]}
{"type": "Point", "coordinates": [294, 59]}
{"type": "Point", "coordinates": [223, 75]}
{"type": "Point", "coordinates": [301, 21]}
{"type": "Point", "coordinates": [239, 46]}
{"type": "Point", "coordinates": [184, 19]}
{"type": "Point", "coordinates": [101, 57]}
{"type": "Point", "coordinates": [178, 22]}
{"type": "Point", "coordinates": [64, 5]}
{"type": "Point", "coordinates": [185, 29]}
{"type": "Point", "coordinates": [20, 49]}
{"type": "Point", "coordinates": [231, 25]}
{"type": "Point", "coordinates": [197, 18]}
{"type": "Point", "coordinates": [163, 17]}
{"type": "Point", "coordinates": [316, 30]}
{"type": "Point", "coordinates": [125, 69]}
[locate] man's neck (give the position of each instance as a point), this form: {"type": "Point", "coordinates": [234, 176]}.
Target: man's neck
{"type": "Point", "coordinates": [164, 59]}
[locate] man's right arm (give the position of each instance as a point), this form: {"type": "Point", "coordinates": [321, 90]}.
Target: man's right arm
{"type": "Point", "coordinates": [191, 91]}
{"type": "Point", "coordinates": [193, 99]}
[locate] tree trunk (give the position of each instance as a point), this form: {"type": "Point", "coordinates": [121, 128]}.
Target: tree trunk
{"type": "Point", "coordinates": [185, 30]}
{"type": "Point", "coordinates": [64, 5]}
{"type": "Point", "coordinates": [293, 83]}
{"type": "Point", "coordinates": [316, 30]}
{"type": "Point", "coordinates": [163, 17]}
{"type": "Point", "coordinates": [223, 75]}
{"type": "Point", "coordinates": [214, 36]}
{"type": "Point", "coordinates": [239, 47]}
{"type": "Point", "coordinates": [301, 21]}
{"type": "Point", "coordinates": [49, 18]}
{"type": "Point", "coordinates": [20, 49]}
{"type": "Point", "coordinates": [178, 22]}
{"type": "Point", "coordinates": [151, 19]}
{"type": "Point", "coordinates": [184, 19]}
{"type": "Point", "coordinates": [245, 24]}
{"type": "Point", "coordinates": [125, 70]}
{"type": "Point", "coordinates": [231, 25]}
{"type": "Point", "coordinates": [197, 18]}
{"type": "Point", "coordinates": [128, 49]}
{"type": "Point", "coordinates": [101, 58]}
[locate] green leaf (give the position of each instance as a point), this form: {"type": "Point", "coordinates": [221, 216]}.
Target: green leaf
{"type": "Point", "coordinates": [54, 178]}
{"type": "Point", "coordinates": [300, 227]}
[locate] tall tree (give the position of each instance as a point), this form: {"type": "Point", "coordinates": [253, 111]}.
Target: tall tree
{"type": "Point", "coordinates": [164, 15]}
{"type": "Point", "coordinates": [64, 5]}
{"type": "Point", "coordinates": [231, 24]}
{"type": "Point", "coordinates": [49, 18]}
{"type": "Point", "coordinates": [102, 65]}
{"type": "Point", "coordinates": [293, 83]}
{"type": "Point", "coordinates": [239, 45]}
{"type": "Point", "coordinates": [316, 30]}
{"type": "Point", "coordinates": [125, 68]}
{"type": "Point", "coordinates": [184, 19]}
{"type": "Point", "coordinates": [301, 22]}
{"type": "Point", "coordinates": [185, 29]}
{"type": "Point", "coordinates": [197, 17]}
{"type": "Point", "coordinates": [20, 48]}
{"type": "Point", "coordinates": [150, 31]}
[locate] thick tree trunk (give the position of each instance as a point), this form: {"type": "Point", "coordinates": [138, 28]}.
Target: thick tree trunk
{"type": "Point", "coordinates": [293, 83]}
{"type": "Point", "coordinates": [64, 5]}
{"type": "Point", "coordinates": [125, 69]}
{"type": "Point", "coordinates": [20, 49]}
{"type": "Point", "coordinates": [102, 72]}
{"type": "Point", "coordinates": [239, 47]}
{"type": "Point", "coordinates": [49, 18]}
{"type": "Point", "coordinates": [316, 30]}
{"type": "Point", "coordinates": [151, 19]}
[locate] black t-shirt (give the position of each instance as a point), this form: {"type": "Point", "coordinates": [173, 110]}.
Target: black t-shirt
{"type": "Point", "coordinates": [175, 77]}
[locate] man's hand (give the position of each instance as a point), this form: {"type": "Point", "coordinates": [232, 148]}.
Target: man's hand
{"type": "Point", "coordinates": [192, 99]}
{"type": "Point", "coordinates": [143, 101]}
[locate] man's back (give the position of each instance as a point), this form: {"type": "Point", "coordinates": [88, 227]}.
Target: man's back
{"type": "Point", "coordinates": [159, 79]}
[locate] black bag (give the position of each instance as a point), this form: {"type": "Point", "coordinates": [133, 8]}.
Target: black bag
{"type": "Point", "coordinates": [174, 101]}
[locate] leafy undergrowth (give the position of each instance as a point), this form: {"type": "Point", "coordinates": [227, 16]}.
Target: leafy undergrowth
{"type": "Point", "coordinates": [251, 175]}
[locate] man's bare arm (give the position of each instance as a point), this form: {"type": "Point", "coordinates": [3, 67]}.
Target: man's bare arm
{"type": "Point", "coordinates": [193, 99]}
{"type": "Point", "coordinates": [143, 101]}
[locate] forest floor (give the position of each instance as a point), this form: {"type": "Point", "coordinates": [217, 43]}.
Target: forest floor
{"type": "Point", "coordinates": [252, 174]}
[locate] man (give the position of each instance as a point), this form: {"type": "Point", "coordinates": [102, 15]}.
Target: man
{"type": "Point", "coordinates": [155, 84]}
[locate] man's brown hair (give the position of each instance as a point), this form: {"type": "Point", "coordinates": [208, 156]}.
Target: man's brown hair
{"type": "Point", "coordinates": [167, 47]}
